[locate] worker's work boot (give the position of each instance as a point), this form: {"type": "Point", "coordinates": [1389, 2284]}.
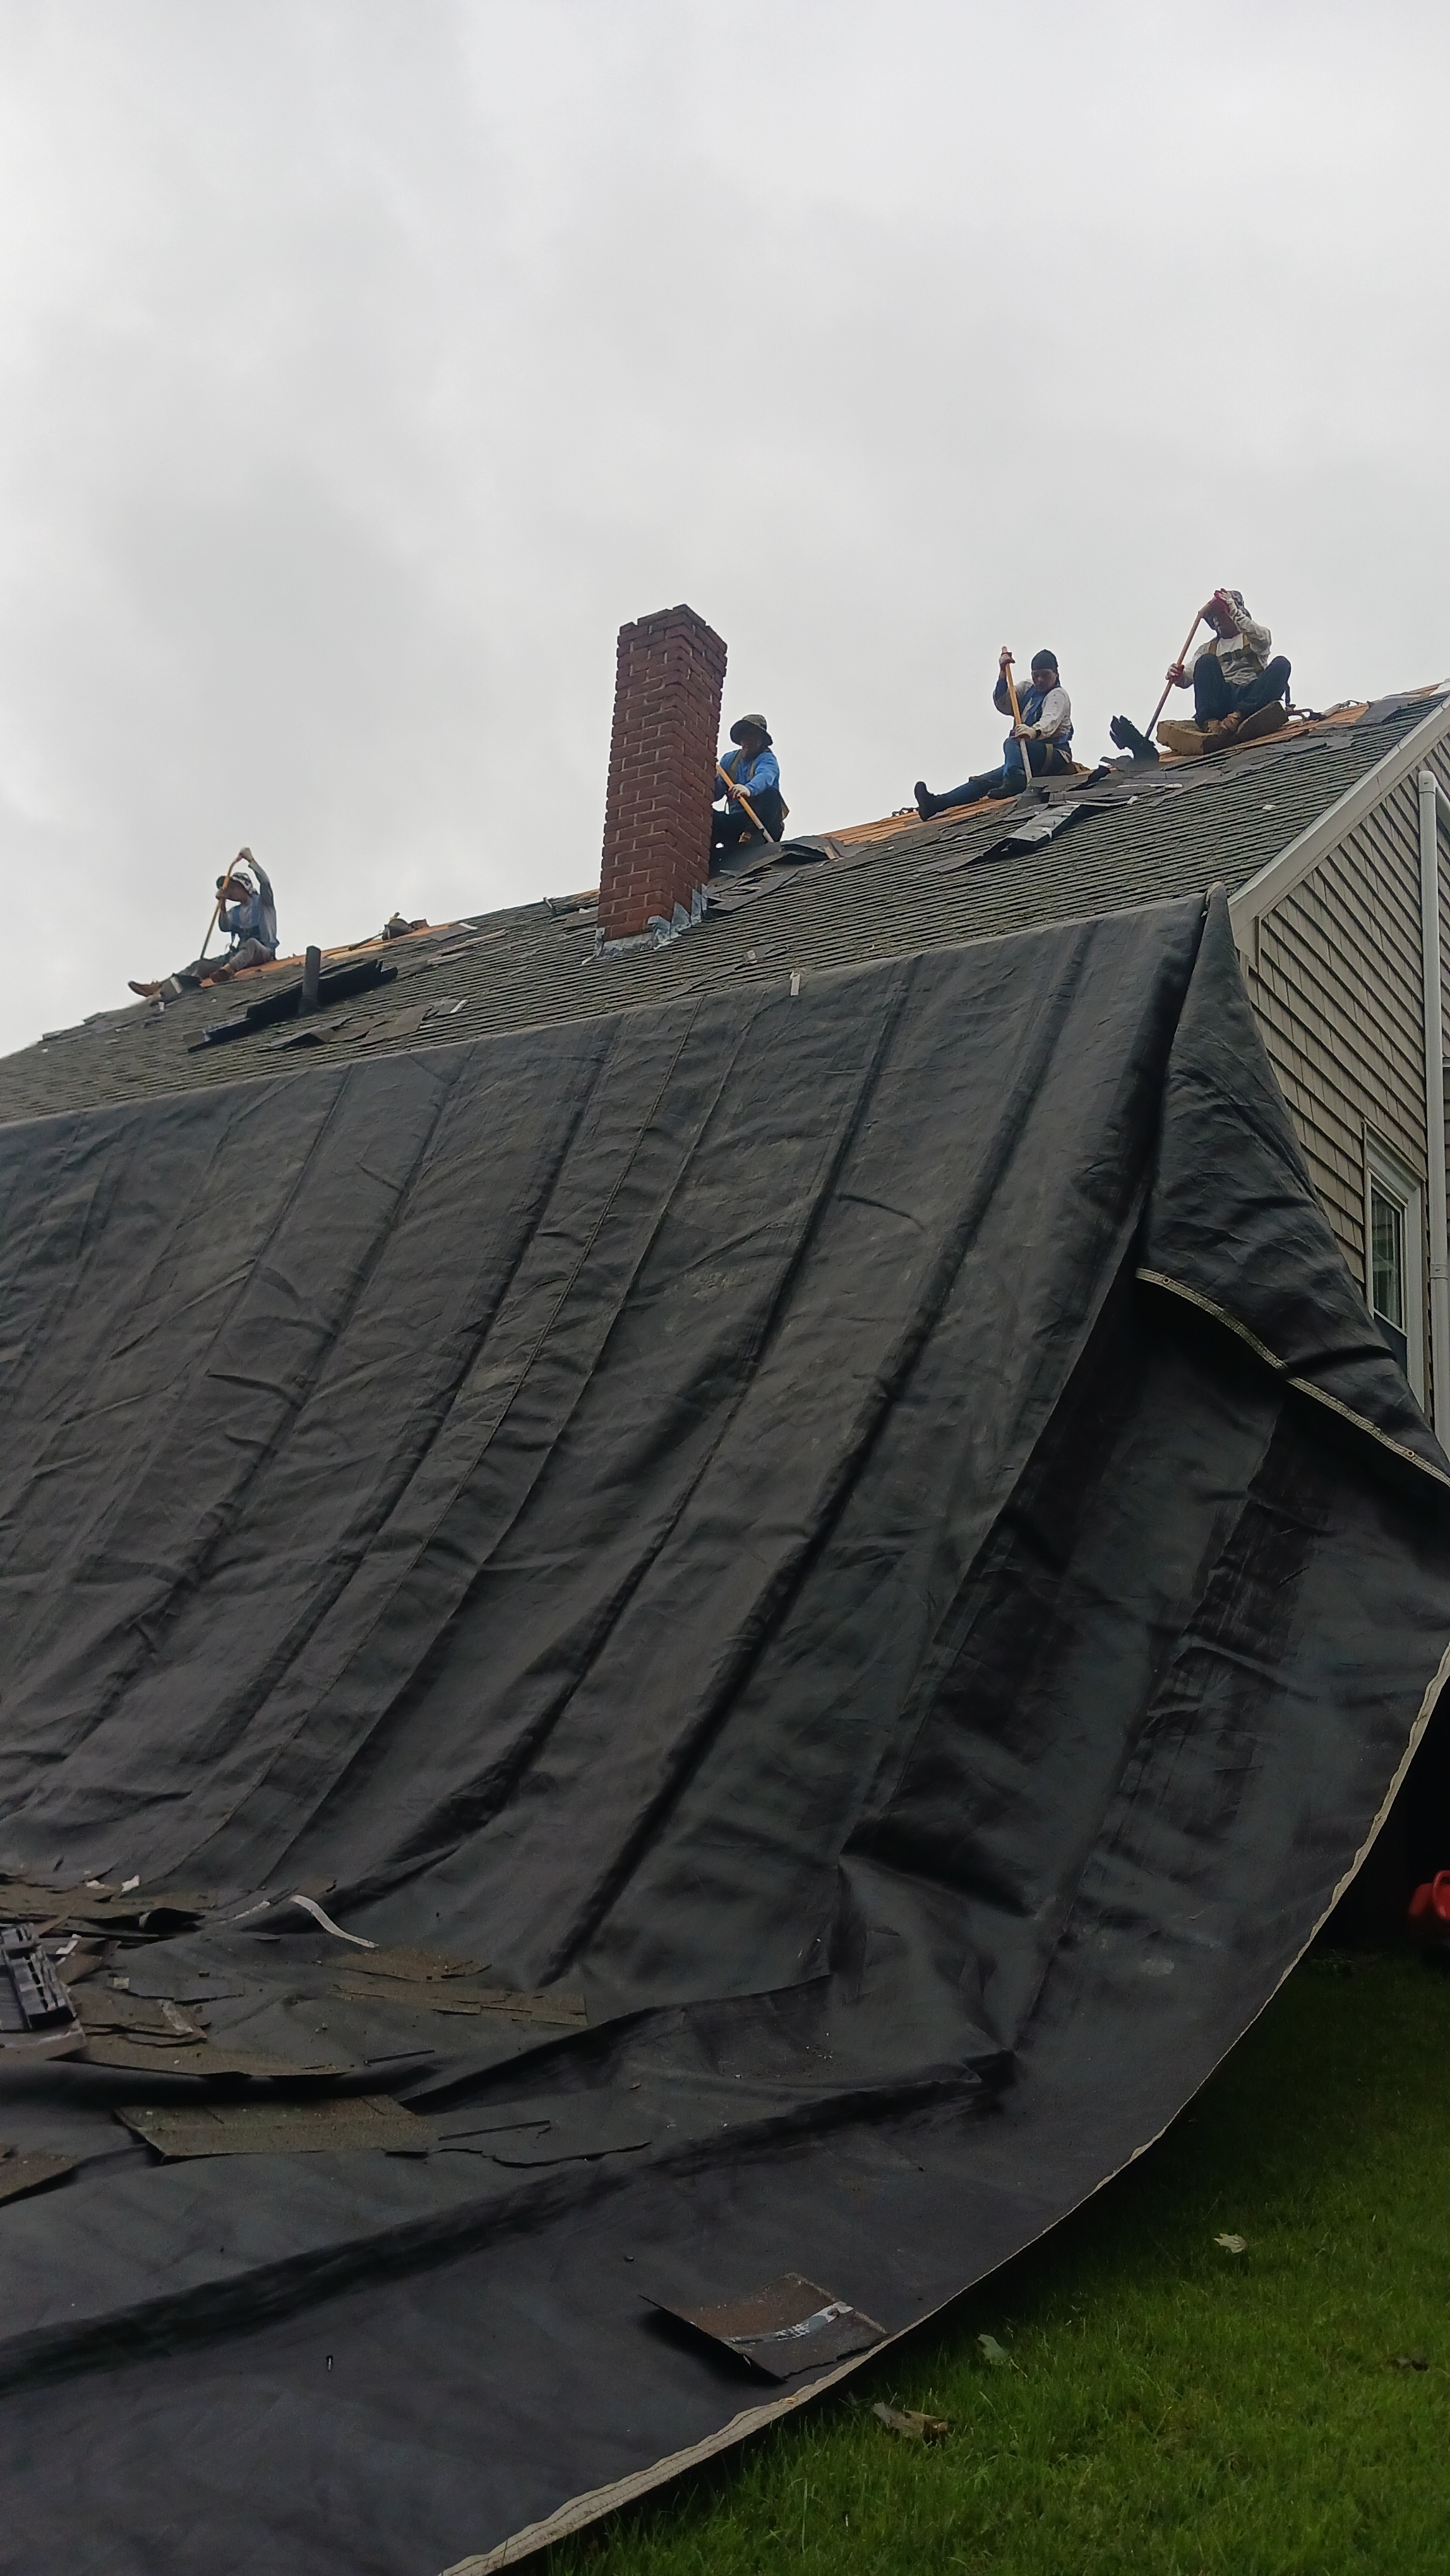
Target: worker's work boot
{"type": "Point", "coordinates": [1263, 721]}
{"type": "Point", "coordinates": [926, 803]}
{"type": "Point", "coordinates": [1220, 731]}
{"type": "Point", "coordinates": [148, 992]}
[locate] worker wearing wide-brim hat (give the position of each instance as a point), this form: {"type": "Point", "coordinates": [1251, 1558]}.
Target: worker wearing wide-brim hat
{"type": "Point", "coordinates": [753, 773]}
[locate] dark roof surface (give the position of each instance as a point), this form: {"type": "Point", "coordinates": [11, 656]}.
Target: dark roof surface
{"type": "Point", "coordinates": [1137, 838]}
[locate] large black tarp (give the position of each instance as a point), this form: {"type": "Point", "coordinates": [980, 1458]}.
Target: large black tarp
{"type": "Point", "coordinates": [854, 1548]}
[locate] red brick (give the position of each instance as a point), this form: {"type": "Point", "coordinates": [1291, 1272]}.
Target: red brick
{"type": "Point", "coordinates": [670, 670]}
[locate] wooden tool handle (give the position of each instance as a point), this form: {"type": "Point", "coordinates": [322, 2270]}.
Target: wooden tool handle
{"type": "Point", "coordinates": [1017, 717]}
{"type": "Point", "coordinates": [210, 927]}
{"type": "Point", "coordinates": [742, 799]}
{"type": "Point", "coordinates": [1167, 685]}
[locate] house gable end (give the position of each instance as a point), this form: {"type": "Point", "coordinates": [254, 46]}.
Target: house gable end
{"type": "Point", "coordinates": [1331, 947]}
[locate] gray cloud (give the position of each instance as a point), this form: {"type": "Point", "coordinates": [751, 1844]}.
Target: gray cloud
{"type": "Point", "coordinates": [364, 366]}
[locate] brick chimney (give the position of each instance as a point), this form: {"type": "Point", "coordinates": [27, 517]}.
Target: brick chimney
{"type": "Point", "coordinates": [671, 671]}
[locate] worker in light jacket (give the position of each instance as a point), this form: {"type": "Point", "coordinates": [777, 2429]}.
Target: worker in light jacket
{"type": "Point", "coordinates": [1232, 676]}
{"type": "Point", "coordinates": [1039, 741]}
{"type": "Point", "coordinates": [247, 913]}
{"type": "Point", "coordinates": [752, 772]}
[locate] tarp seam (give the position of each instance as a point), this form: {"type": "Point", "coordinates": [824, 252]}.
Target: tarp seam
{"type": "Point", "coordinates": [1283, 1369]}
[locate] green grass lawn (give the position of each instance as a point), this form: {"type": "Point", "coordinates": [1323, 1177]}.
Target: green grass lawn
{"type": "Point", "coordinates": [1167, 2408]}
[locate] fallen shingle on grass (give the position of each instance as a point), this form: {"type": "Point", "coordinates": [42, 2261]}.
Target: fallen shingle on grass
{"type": "Point", "coordinates": [1173, 2410]}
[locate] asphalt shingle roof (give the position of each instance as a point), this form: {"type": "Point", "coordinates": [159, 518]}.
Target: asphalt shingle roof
{"type": "Point", "coordinates": [1140, 838]}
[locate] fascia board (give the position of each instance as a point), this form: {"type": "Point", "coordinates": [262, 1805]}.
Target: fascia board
{"type": "Point", "coordinates": [1280, 876]}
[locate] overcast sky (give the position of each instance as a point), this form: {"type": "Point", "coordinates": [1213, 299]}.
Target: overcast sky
{"type": "Point", "coordinates": [365, 365]}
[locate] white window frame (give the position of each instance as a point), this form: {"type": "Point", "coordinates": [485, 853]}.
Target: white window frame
{"type": "Point", "coordinates": [1384, 1167]}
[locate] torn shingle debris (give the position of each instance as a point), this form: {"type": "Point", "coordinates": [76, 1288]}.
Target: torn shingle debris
{"type": "Point", "coordinates": [359, 2124]}
{"type": "Point", "coordinates": [284, 1001]}
{"type": "Point", "coordinates": [790, 2325]}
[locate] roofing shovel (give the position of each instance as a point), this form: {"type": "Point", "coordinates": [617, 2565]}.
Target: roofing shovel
{"type": "Point", "coordinates": [154, 989]}
{"type": "Point", "coordinates": [1016, 716]}
{"type": "Point", "coordinates": [1126, 734]}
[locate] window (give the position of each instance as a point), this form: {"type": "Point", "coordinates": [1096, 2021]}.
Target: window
{"type": "Point", "coordinates": [1388, 1299]}
{"type": "Point", "coordinates": [1394, 1227]}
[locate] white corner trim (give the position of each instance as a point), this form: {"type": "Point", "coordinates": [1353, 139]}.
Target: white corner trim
{"type": "Point", "coordinates": [1282, 874]}
{"type": "Point", "coordinates": [1434, 813]}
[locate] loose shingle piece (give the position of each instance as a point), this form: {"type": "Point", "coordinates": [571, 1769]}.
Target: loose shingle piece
{"type": "Point", "coordinates": [790, 2325]}
{"type": "Point", "coordinates": [413, 1963]}
{"type": "Point", "coordinates": [21, 2174]}
{"type": "Point", "coordinates": [206, 2058]}
{"type": "Point", "coordinates": [452, 1995]}
{"type": "Point", "coordinates": [281, 2128]}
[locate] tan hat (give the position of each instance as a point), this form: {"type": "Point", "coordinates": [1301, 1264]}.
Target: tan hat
{"type": "Point", "coordinates": [750, 724]}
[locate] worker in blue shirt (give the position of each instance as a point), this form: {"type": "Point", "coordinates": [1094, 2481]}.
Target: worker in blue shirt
{"type": "Point", "coordinates": [247, 913]}
{"type": "Point", "coordinates": [754, 773]}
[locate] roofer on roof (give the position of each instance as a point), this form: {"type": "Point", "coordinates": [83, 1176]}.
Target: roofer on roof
{"type": "Point", "coordinates": [1044, 736]}
{"type": "Point", "coordinates": [247, 913]}
{"type": "Point", "coordinates": [753, 773]}
{"type": "Point", "coordinates": [1231, 676]}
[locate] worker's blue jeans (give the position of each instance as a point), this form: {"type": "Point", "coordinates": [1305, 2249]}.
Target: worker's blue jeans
{"type": "Point", "coordinates": [1214, 696]}
{"type": "Point", "coordinates": [218, 970]}
{"type": "Point", "coordinates": [734, 826]}
{"type": "Point", "coordinates": [1047, 762]}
